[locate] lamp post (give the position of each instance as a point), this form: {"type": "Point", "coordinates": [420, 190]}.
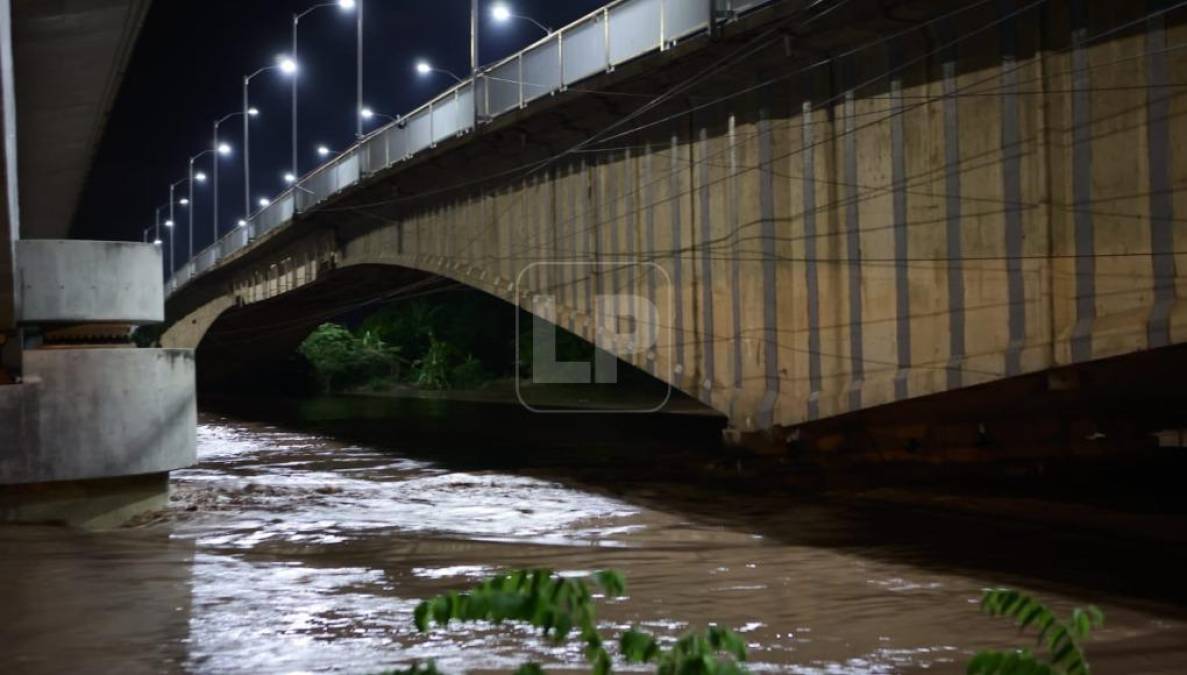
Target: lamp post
{"type": "Point", "coordinates": [359, 70]}
{"type": "Point", "coordinates": [364, 114]}
{"type": "Point", "coordinates": [286, 65]}
{"type": "Point", "coordinates": [223, 149]}
{"type": "Point", "coordinates": [184, 202]}
{"type": "Point", "coordinates": [474, 59]}
{"type": "Point", "coordinates": [424, 68]}
{"type": "Point", "coordinates": [169, 230]}
{"type": "Point", "coordinates": [345, 5]}
{"type": "Point", "coordinates": [501, 13]}
{"type": "Point", "coordinates": [201, 178]}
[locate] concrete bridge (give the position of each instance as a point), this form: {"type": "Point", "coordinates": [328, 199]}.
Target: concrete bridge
{"type": "Point", "coordinates": [853, 203]}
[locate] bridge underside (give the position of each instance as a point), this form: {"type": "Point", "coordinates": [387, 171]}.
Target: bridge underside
{"type": "Point", "coordinates": [990, 195]}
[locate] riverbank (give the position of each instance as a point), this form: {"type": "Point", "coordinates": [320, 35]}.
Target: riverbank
{"type": "Point", "coordinates": [508, 391]}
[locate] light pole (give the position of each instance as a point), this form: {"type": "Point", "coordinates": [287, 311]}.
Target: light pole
{"type": "Point", "coordinates": [501, 13]}
{"type": "Point", "coordinates": [364, 114]}
{"type": "Point", "coordinates": [184, 202]}
{"type": "Point", "coordinates": [359, 41]}
{"type": "Point", "coordinates": [169, 230]}
{"type": "Point", "coordinates": [424, 68]}
{"type": "Point", "coordinates": [201, 178]}
{"type": "Point", "coordinates": [289, 67]}
{"type": "Point", "coordinates": [474, 59]}
{"type": "Point", "coordinates": [223, 149]}
{"type": "Point", "coordinates": [345, 5]}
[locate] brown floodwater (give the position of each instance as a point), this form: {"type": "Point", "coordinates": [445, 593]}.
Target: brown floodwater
{"type": "Point", "coordinates": [303, 544]}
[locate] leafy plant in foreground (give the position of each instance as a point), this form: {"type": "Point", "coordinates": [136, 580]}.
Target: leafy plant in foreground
{"type": "Point", "coordinates": [1060, 639]}
{"type": "Point", "coordinates": [560, 606]}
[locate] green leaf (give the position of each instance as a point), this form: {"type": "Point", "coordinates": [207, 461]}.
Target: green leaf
{"type": "Point", "coordinates": [421, 617]}
{"type": "Point", "coordinates": [612, 582]}
{"type": "Point", "coordinates": [638, 647]}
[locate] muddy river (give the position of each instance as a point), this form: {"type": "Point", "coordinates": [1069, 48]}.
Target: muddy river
{"type": "Point", "coordinates": [302, 544]}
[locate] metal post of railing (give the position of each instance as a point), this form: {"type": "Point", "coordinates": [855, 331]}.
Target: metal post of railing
{"type": "Point", "coordinates": [560, 60]}
{"type": "Point", "coordinates": [520, 78]}
{"type": "Point", "coordinates": [486, 95]}
{"type": "Point", "coordinates": [606, 34]}
{"type": "Point", "coordinates": [663, 24]}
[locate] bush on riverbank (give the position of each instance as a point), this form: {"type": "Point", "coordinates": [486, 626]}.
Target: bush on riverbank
{"type": "Point", "coordinates": [341, 359]}
{"type": "Point", "coordinates": [433, 346]}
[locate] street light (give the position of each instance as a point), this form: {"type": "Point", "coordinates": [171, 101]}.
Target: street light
{"type": "Point", "coordinates": [284, 64]}
{"type": "Point", "coordinates": [216, 149]}
{"type": "Point", "coordinates": [290, 178]}
{"type": "Point", "coordinates": [265, 202]}
{"type": "Point", "coordinates": [424, 68]}
{"type": "Point", "coordinates": [224, 150]}
{"type": "Point", "coordinates": [183, 202]}
{"type": "Point", "coordinates": [323, 151]}
{"type": "Point", "coordinates": [366, 114]}
{"type": "Point", "coordinates": [169, 231]}
{"type": "Point", "coordinates": [501, 13]}
{"type": "Point", "coordinates": [345, 5]}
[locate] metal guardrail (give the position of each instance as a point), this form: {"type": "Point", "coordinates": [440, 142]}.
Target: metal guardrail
{"type": "Point", "coordinates": [596, 43]}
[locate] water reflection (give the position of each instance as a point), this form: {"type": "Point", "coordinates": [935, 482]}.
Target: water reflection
{"type": "Point", "coordinates": [306, 551]}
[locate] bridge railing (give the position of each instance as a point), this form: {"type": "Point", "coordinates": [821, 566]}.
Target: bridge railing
{"type": "Point", "coordinates": [596, 43]}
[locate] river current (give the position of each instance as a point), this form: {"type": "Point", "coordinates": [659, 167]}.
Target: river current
{"type": "Point", "coordinates": [296, 547]}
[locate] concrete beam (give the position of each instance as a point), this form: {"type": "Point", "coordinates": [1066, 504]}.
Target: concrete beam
{"type": "Point", "coordinates": [89, 282]}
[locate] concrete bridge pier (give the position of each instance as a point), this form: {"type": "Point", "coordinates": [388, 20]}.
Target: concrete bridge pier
{"type": "Point", "coordinates": [92, 424]}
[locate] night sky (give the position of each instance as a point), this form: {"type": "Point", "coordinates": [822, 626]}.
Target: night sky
{"type": "Point", "coordinates": [187, 70]}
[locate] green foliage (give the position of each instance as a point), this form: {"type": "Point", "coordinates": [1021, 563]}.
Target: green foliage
{"type": "Point", "coordinates": [717, 651]}
{"type": "Point", "coordinates": [1060, 640]}
{"type": "Point", "coordinates": [341, 359]}
{"type": "Point", "coordinates": [472, 323]}
{"type": "Point", "coordinates": [408, 325]}
{"type": "Point", "coordinates": [468, 374]}
{"type": "Point", "coordinates": [432, 370]}
{"type": "Point", "coordinates": [559, 607]}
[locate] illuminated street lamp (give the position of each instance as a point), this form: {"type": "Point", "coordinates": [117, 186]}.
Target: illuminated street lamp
{"type": "Point", "coordinates": [168, 230]}
{"type": "Point", "coordinates": [424, 68]}
{"type": "Point", "coordinates": [265, 202]}
{"type": "Point", "coordinates": [286, 65]}
{"type": "Point", "coordinates": [501, 13]}
{"type": "Point", "coordinates": [224, 150]}
{"type": "Point", "coordinates": [183, 202]}
{"type": "Point", "coordinates": [345, 5]}
{"type": "Point", "coordinates": [289, 178]}
{"type": "Point", "coordinates": [368, 114]}
{"type": "Point", "coordinates": [323, 151]}
{"type": "Point", "coordinates": [199, 177]}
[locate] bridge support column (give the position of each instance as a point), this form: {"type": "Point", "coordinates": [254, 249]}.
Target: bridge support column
{"type": "Point", "coordinates": [94, 425]}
